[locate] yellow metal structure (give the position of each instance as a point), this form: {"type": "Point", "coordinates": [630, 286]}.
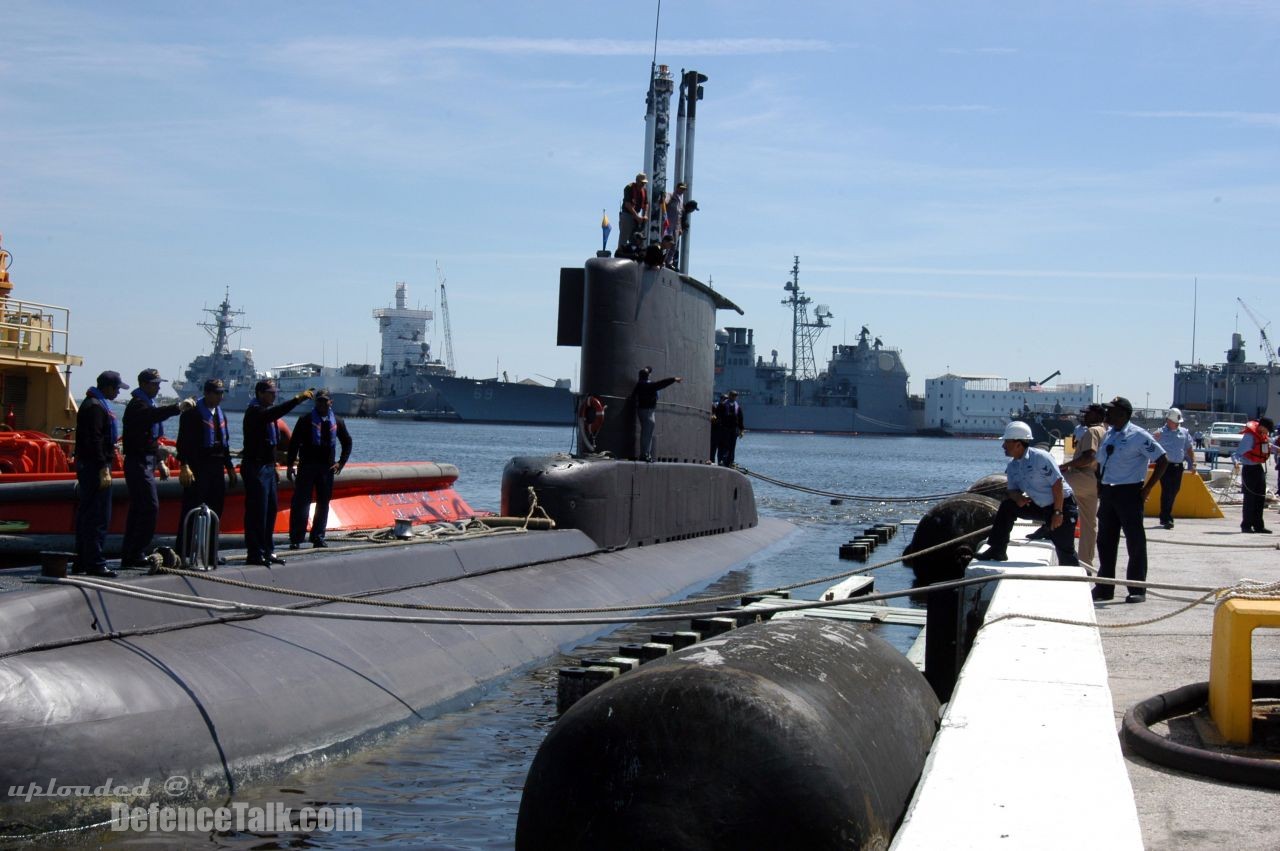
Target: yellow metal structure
{"type": "Point", "coordinates": [34, 362]}
{"type": "Point", "coordinates": [1194, 500]}
{"type": "Point", "coordinates": [1231, 664]}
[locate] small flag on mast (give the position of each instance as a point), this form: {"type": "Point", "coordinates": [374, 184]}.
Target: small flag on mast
{"type": "Point", "coordinates": [606, 228]}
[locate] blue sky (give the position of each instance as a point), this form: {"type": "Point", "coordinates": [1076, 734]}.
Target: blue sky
{"type": "Point", "coordinates": [1010, 188]}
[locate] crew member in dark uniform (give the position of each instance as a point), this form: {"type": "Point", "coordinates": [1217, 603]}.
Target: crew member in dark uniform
{"type": "Point", "coordinates": [96, 434]}
{"type": "Point", "coordinates": [729, 418]}
{"type": "Point", "coordinates": [646, 399]}
{"type": "Point", "coordinates": [258, 469]}
{"type": "Point", "coordinates": [143, 428]}
{"type": "Point", "coordinates": [204, 451]}
{"type": "Point", "coordinates": [312, 447]}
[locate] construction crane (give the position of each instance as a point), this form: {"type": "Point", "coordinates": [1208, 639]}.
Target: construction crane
{"type": "Point", "coordinates": [1262, 329]}
{"type": "Point", "coordinates": [1042, 382]}
{"type": "Point", "coordinates": [444, 314]}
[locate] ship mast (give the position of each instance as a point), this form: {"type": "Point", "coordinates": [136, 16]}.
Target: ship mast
{"type": "Point", "coordinates": [221, 327]}
{"type": "Point", "coordinates": [804, 334]}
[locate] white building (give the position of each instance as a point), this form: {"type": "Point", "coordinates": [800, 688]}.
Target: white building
{"type": "Point", "coordinates": [984, 404]}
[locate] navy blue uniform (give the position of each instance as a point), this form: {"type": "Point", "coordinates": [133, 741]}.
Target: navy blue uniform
{"type": "Point", "coordinates": [312, 447]}
{"type": "Point", "coordinates": [258, 468]}
{"type": "Point", "coordinates": [142, 433]}
{"type": "Point", "coordinates": [202, 446]}
{"type": "Point", "coordinates": [95, 449]}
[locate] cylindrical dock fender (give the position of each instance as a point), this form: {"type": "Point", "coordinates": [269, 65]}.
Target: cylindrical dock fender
{"type": "Point", "coordinates": [801, 733]}
{"type": "Point", "coordinates": [995, 486]}
{"type": "Point", "coordinates": [944, 522]}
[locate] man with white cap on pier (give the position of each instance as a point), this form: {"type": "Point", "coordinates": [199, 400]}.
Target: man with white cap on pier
{"type": "Point", "coordinates": [1037, 491]}
{"type": "Point", "coordinates": [1179, 447]}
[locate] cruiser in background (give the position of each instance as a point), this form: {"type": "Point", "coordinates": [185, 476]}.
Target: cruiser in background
{"type": "Point", "coordinates": [234, 366]}
{"type": "Point", "coordinates": [1233, 390]}
{"type": "Point", "coordinates": [863, 389]}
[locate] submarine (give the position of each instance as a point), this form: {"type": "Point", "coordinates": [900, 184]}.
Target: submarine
{"type": "Point", "coordinates": [249, 673]}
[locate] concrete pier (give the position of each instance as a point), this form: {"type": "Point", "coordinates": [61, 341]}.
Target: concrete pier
{"type": "Point", "coordinates": [1028, 755]}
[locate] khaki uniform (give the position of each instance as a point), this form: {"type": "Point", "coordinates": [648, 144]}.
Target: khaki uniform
{"type": "Point", "coordinates": [1084, 483]}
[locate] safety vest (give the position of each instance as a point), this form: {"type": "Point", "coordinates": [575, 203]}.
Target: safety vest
{"type": "Point", "coordinates": [1255, 454]}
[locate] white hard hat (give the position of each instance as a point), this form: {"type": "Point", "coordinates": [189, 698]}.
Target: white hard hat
{"type": "Point", "coordinates": [1017, 430]}
{"type": "Point", "coordinates": [1173, 415]}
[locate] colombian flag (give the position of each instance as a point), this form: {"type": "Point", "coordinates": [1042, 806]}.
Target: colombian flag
{"type": "Point", "coordinates": [606, 228]}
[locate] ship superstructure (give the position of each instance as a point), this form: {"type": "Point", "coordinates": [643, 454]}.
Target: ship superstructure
{"type": "Point", "coordinates": [234, 366]}
{"type": "Point", "coordinates": [863, 388]}
{"type": "Point", "coordinates": [403, 380]}
{"type": "Point", "coordinates": [1236, 387]}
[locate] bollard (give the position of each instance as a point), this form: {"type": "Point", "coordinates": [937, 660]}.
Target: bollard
{"type": "Point", "coordinates": [54, 564]}
{"type": "Point", "coordinates": [201, 536]}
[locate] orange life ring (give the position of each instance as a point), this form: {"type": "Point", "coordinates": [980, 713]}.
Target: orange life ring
{"type": "Point", "coordinates": [591, 415]}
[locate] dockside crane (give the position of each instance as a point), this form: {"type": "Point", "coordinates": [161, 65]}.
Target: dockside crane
{"type": "Point", "coordinates": [444, 315]}
{"type": "Point", "coordinates": [1262, 329]}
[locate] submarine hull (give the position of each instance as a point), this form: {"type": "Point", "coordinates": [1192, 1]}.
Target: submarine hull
{"type": "Point", "coordinates": [138, 692]}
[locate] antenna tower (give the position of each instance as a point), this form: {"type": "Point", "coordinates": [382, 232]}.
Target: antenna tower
{"type": "Point", "coordinates": [804, 333]}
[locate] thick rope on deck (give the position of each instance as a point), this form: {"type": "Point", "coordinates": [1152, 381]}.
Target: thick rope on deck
{"type": "Point", "coordinates": [852, 497]}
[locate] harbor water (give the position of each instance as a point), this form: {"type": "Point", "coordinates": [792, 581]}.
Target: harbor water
{"type": "Point", "coordinates": [454, 782]}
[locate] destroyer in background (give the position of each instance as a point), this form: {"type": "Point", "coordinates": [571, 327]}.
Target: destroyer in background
{"type": "Point", "coordinates": [234, 366]}
{"type": "Point", "coordinates": [862, 390]}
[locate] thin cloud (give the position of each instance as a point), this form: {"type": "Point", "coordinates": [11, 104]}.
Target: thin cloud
{"type": "Point", "coordinates": [979, 51]}
{"type": "Point", "coordinates": [949, 107]}
{"type": "Point", "coordinates": [1257, 119]}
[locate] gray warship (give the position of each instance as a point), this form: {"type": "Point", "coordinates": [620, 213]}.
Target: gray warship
{"type": "Point", "coordinates": [234, 366]}
{"type": "Point", "coordinates": [863, 389]}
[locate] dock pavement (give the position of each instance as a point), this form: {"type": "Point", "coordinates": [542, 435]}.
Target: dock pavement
{"type": "Point", "coordinates": [1176, 810]}
{"type": "Point", "coordinates": [1028, 754]}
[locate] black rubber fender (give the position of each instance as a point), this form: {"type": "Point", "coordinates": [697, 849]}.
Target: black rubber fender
{"type": "Point", "coordinates": [1135, 732]}
{"type": "Point", "coordinates": [800, 733]}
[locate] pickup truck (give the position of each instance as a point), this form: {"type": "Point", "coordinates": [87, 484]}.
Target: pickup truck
{"type": "Point", "coordinates": [1224, 437]}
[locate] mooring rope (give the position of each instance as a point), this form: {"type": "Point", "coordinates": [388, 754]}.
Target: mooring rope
{"type": "Point", "coordinates": [475, 610]}
{"type": "Point", "coordinates": [231, 606]}
{"type": "Point", "coordinates": [852, 497]}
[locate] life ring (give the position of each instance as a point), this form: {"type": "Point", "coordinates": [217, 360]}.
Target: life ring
{"type": "Point", "coordinates": [591, 415]}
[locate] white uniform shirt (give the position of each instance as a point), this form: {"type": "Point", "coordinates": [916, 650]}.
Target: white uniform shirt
{"type": "Point", "coordinates": [1125, 453]}
{"type": "Point", "coordinates": [1034, 474]}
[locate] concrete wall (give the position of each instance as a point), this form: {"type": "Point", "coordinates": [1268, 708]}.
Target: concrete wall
{"type": "Point", "coordinates": [1027, 756]}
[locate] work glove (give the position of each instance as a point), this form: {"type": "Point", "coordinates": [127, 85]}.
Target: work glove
{"type": "Point", "coordinates": [185, 477]}
{"type": "Point", "coordinates": [309, 393]}
{"type": "Point", "coordinates": [231, 477]}
{"type": "Point", "coordinates": [288, 473]}
{"type": "Point", "coordinates": [104, 477]}
{"type": "Point", "coordinates": [186, 404]}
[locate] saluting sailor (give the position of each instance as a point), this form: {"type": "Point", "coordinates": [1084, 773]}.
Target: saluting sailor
{"type": "Point", "coordinates": [258, 467]}
{"type": "Point", "coordinates": [143, 462]}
